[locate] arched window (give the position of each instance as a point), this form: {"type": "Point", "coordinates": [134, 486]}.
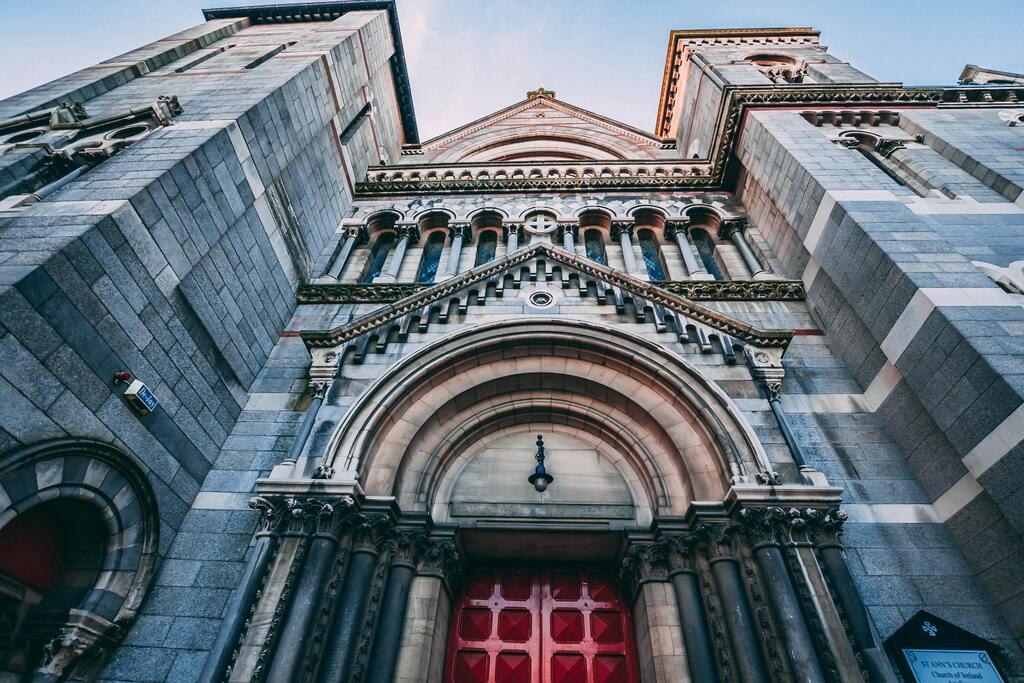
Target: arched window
{"type": "Point", "coordinates": [593, 241]}
{"type": "Point", "coordinates": [706, 250]}
{"type": "Point", "coordinates": [652, 255]}
{"type": "Point", "coordinates": [378, 255]}
{"type": "Point", "coordinates": [485, 247]}
{"type": "Point", "coordinates": [431, 257]}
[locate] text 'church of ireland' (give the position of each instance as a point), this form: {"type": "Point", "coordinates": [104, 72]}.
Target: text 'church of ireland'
{"type": "Point", "coordinates": [290, 394]}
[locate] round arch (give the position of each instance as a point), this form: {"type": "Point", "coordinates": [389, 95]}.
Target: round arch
{"type": "Point", "coordinates": [114, 489]}
{"type": "Point", "coordinates": [674, 436]}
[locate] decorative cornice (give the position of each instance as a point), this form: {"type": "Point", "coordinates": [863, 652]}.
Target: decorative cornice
{"type": "Point", "coordinates": [678, 174]}
{"type": "Point", "coordinates": [652, 293]}
{"type": "Point", "coordinates": [696, 290]}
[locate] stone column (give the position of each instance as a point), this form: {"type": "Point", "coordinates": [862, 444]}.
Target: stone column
{"type": "Point", "coordinates": [407, 234]}
{"type": "Point", "coordinates": [352, 237]}
{"type": "Point", "coordinates": [828, 527]}
{"type": "Point", "coordinates": [700, 654]}
{"type": "Point", "coordinates": [368, 535]}
{"type": "Point", "coordinates": [513, 232]}
{"type": "Point", "coordinates": [678, 232]}
{"type": "Point", "coordinates": [765, 527]}
{"type": "Point", "coordinates": [723, 553]}
{"type": "Point", "coordinates": [255, 571]}
{"type": "Point", "coordinates": [458, 234]}
{"type": "Point", "coordinates": [322, 524]}
{"type": "Point", "coordinates": [568, 235]}
{"type": "Point", "coordinates": [624, 233]}
{"type": "Point", "coordinates": [405, 549]}
{"type": "Point", "coordinates": [732, 230]}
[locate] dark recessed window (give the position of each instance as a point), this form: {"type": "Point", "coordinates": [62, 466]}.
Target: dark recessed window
{"type": "Point", "coordinates": [652, 255]}
{"type": "Point", "coordinates": [431, 257]}
{"type": "Point", "coordinates": [485, 247]}
{"type": "Point", "coordinates": [378, 255]}
{"type": "Point", "coordinates": [706, 251]}
{"type": "Point", "coordinates": [593, 241]}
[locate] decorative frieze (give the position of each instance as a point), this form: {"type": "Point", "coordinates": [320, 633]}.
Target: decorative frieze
{"type": "Point", "coordinates": [697, 290]}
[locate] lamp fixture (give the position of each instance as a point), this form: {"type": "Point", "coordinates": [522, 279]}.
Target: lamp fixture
{"type": "Point", "coordinates": [540, 477]}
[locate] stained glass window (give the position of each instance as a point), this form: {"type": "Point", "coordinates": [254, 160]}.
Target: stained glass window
{"type": "Point", "coordinates": [378, 255]}
{"type": "Point", "coordinates": [485, 247]}
{"type": "Point", "coordinates": [431, 257]}
{"type": "Point", "coordinates": [594, 244]}
{"type": "Point", "coordinates": [652, 256]}
{"type": "Point", "coordinates": [706, 251]}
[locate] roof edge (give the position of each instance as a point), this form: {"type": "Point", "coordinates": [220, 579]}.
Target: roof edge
{"type": "Point", "coordinates": [329, 11]}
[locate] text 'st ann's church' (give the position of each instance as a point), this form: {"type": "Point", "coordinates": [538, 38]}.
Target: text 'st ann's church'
{"type": "Point", "coordinates": [289, 394]}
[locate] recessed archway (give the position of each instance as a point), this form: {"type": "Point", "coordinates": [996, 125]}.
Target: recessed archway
{"type": "Point", "coordinates": [672, 436]}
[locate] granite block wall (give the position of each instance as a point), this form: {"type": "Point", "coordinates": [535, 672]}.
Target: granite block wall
{"type": "Point", "coordinates": [177, 259]}
{"type": "Point", "coordinates": [934, 343]}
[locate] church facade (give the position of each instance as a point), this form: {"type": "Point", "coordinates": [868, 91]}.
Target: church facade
{"type": "Point", "coordinates": [289, 394]}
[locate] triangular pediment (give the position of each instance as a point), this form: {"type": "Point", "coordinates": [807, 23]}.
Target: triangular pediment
{"type": "Point", "coordinates": [648, 302]}
{"type": "Point", "coordinates": [543, 128]}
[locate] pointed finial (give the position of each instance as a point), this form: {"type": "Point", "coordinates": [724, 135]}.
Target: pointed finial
{"type": "Point", "coordinates": [540, 92]}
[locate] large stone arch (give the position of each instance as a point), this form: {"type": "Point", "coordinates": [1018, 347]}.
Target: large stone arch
{"type": "Point", "coordinates": [679, 436]}
{"type": "Point", "coordinates": [111, 485]}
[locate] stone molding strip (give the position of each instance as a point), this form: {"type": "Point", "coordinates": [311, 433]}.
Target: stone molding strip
{"type": "Point", "coordinates": [696, 290]}
{"type": "Point", "coordinates": [651, 293]}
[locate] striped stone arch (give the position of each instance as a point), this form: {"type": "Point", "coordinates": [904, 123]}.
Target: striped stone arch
{"type": "Point", "coordinates": [109, 481]}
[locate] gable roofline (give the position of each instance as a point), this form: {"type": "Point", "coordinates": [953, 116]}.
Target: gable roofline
{"type": "Point", "coordinates": [638, 288]}
{"type": "Point", "coordinates": [544, 97]}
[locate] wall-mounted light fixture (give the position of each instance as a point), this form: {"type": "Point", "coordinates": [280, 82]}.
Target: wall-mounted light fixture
{"type": "Point", "coordinates": [540, 478]}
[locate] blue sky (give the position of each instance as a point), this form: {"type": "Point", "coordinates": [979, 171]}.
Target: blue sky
{"type": "Point", "coordinates": [470, 57]}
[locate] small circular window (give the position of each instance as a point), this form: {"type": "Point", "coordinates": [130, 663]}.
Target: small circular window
{"type": "Point", "coordinates": [541, 299]}
{"type": "Point", "coordinates": [128, 132]}
{"type": "Point", "coordinates": [24, 136]}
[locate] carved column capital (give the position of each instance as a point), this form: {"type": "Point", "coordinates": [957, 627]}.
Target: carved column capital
{"type": "Point", "coordinates": [80, 648]}
{"type": "Point", "coordinates": [622, 228]}
{"type": "Point", "coordinates": [730, 226]}
{"type": "Point", "coordinates": [409, 231]}
{"type": "Point", "coordinates": [358, 233]}
{"type": "Point", "coordinates": [404, 546]}
{"type": "Point", "coordinates": [571, 228]}
{"type": "Point", "coordinates": [643, 563]}
{"type": "Point", "coordinates": [440, 558]}
{"type": "Point", "coordinates": [370, 533]}
{"type": "Point", "coordinates": [317, 516]}
{"type": "Point", "coordinates": [679, 552]}
{"type": "Point", "coordinates": [768, 525]}
{"type": "Point", "coordinates": [674, 227]}
{"type": "Point", "coordinates": [720, 540]}
{"type": "Point", "coordinates": [509, 229]}
{"type": "Point", "coordinates": [766, 369]}
{"type": "Point", "coordinates": [457, 229]}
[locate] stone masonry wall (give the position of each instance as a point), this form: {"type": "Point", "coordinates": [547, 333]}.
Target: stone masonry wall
{"type": "Point", "coordinates": [933, 343]}
{"type": "Point", "coordinates": [177, 259]}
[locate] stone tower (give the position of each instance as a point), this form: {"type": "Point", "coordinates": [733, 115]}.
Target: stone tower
{"type": "Point", "coordinates": [288, 394]}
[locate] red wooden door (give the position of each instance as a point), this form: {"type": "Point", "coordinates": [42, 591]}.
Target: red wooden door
{"type": "Point", "coordinates": [550, 625]}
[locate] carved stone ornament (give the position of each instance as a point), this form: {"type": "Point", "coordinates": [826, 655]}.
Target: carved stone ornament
{"type": "Point", "coordinates": [410, 232]}
{"type": "Point", "coordinates": [405, 545]}
{"type": "Point", "coordinates": [697, 290]}
{"type": "Point", "coordinates": [720, 540]}
{"type": "Point", "coordinates": [439, 557]}
{"type": "Point", "coordinates": [730, 226]}
{"type": "Point", "coordinates": [766, 525]}
{"type": "Point", "coordinates": [679, 551]}
{"type": "Point", "coordinates": [319, 388]}
{"type": "Point", "coordinates": [370, 533]}
{"type": "Point", "coordinates": [358, 233]}
{"type": "Point", "coordinates": [622, 227]}
{"type": "Point", "coordinates": [80, 647]}
{"type": "Point", "coordinates": [887, 146]}
{"type": "Point", "coordinates": [456, 229]}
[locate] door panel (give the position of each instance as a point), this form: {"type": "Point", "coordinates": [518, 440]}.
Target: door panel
{"type": "Point", "coordinates": [540, 625]}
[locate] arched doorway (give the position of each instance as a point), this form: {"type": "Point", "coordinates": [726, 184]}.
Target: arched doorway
{"type": "Point", "coordinates": [78, 539]}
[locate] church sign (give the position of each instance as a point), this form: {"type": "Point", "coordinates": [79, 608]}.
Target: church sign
{"type": "Point", "coordinates": [928, 649]}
